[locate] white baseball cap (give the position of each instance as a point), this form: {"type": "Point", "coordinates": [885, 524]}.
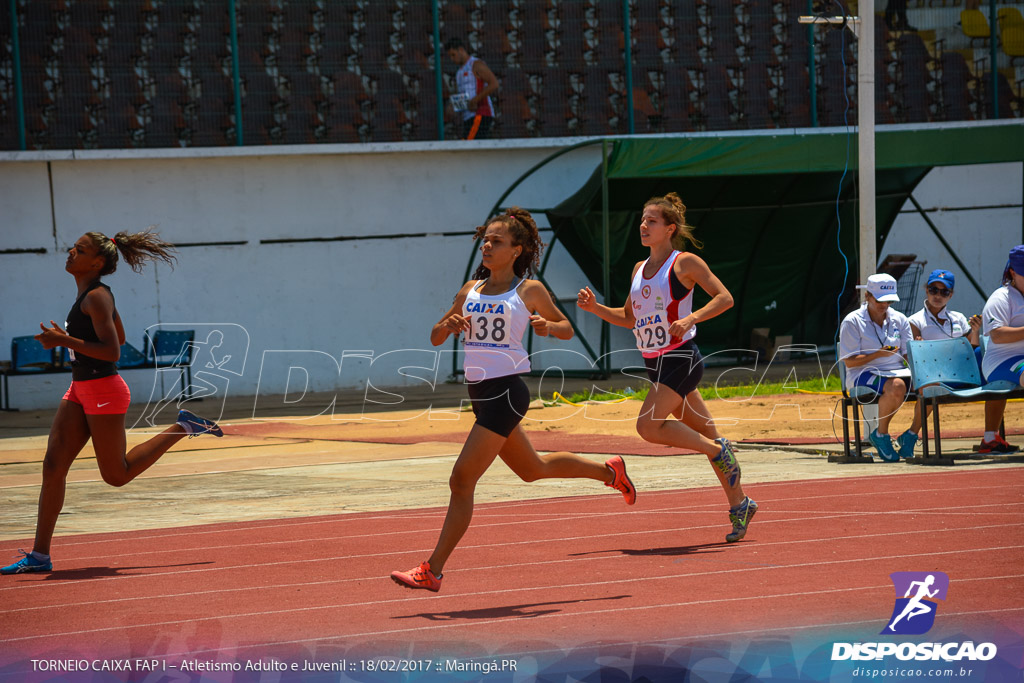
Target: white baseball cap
{"type": "Point", "coordinates": [882, 287]}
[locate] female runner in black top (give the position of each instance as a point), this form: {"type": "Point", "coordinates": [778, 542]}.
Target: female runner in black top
{"type": "Point", "coordinates": [97, 400]}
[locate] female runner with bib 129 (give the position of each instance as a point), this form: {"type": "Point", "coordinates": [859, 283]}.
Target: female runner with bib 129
{"type": "Point", "coordinates": [494, 310]}
{"type": "Point", "coordinates": [659, 309]}
{"type": "Point", "coordinates": [97, 400]}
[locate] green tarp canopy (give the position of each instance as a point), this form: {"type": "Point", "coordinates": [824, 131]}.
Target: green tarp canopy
{"type": "Point", "coordinates": [765, 208]}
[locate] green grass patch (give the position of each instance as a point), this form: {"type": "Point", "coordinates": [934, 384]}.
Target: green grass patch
{"type": "Point", "coordinates": [830, 384]}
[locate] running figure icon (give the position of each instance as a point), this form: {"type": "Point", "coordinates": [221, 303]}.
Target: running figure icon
{"type": "Point", "coordinates": [916, 606]}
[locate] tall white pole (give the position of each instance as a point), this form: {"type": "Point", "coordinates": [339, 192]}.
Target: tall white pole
{"type": "Point", "coordinates": [866, 136]}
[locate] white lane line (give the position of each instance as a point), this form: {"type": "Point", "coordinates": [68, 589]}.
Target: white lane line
{"type": "Point", "coordinates": [570, 500]}
{"type": "Point", "coordinates": [520, 590]}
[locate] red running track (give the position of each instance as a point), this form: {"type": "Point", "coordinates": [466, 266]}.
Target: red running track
{"type": "Point", "coordinates": [528, 576]}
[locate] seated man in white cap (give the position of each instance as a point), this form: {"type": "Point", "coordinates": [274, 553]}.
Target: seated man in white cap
{"type": "Point", "coordinates": [872, 345]}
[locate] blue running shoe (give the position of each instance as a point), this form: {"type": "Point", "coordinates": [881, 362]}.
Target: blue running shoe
{"type": "Point", "coordinates": [883, 442]}
{"type": "Point", "coordinates": [906, 442]}
{"type": "Point", "coordinates": [195, 425]}
{"type": "Point", "coordinates": [27, 564]}
{"type": "Point", "coordinates": [741, 516]}
{"type": "Point", "coordinates": [725, 462]}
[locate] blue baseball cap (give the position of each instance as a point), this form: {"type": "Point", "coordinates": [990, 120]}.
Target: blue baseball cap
{"type": "Point", "coordinates": [1015, 260]}
{"type": "Point", "coordinates": [943, 276]}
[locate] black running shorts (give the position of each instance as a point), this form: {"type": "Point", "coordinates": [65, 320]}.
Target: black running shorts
{"type": "Point", "coordinates": [680, 369]}
{"type": "Point", "coordinates": [500, 403]}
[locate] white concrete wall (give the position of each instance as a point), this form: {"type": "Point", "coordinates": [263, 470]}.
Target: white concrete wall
{"type": "Point", "coordinates": [977, 210]}
{"type": "Point", "coordinates": [378, 295]}
{"type": "Point", "coordinates": [315, 299]}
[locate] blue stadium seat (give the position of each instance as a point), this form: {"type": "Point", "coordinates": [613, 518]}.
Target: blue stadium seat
{"type": "Point", "coordinates": [172, 349]}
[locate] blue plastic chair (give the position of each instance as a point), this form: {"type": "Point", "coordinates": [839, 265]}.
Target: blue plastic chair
{"type": "Point", "coordinates": [28, 355]}
{"type": "Point", "coordinates": [173, 348]}
{"type": "Point", "coordinates": [131, 357]}
{"type": "Point", "coordinates": [943, 367]}
{"type": "Point", "coordinates": [946, 371]}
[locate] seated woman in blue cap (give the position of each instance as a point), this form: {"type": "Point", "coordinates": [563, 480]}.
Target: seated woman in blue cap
{"type": "Point", "coordinates": [933, 322]}
{"type": "Point", "coordinates": [1003, 322]}
{"type": "Point", "coordinates": [872, 344]}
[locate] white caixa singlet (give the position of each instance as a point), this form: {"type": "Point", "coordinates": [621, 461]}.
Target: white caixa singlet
{"type": "Point", "coordinates": [468, 86]}
{"type": "Point", "coordinates": [494, 342]}
{"type": "Point", "coordinates": [655, 309]}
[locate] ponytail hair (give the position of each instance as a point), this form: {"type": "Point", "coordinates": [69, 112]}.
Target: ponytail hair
{"type": "Point", "coordinates": [523, 230]}
{"type": "Point", "coordinates": [136, 248]}
{"type": "Point", "coordinates": [674, 211]}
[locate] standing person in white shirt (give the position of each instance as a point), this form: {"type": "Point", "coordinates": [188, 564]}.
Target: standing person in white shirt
{"type": "Point", "coordinates": [933, 322]}
{"type": "Point", "coordinates": [872, 344]}
{"type": "Point", "coordinates": [1003, 320]}
{"type": "Point", "coordinates": [475, 83]}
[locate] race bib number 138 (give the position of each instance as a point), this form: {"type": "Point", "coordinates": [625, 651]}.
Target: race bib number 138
{"type": "Point", "coordinates": [490, 325]}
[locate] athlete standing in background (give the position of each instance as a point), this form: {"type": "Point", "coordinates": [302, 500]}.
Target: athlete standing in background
{"type": "Point", "coordinates": [475, 83]}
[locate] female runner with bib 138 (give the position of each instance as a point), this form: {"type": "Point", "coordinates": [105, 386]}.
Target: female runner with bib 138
{"type": "Point", "coordinates": [97, 400]}
{"type": "Point", "coordinates": [494, 311]}
{"type": "Point", "coordinates": [659, 309]}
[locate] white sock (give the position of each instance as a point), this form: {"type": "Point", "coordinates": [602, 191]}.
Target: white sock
{"type": "Point", "coordinates": [188, 427]}
{"type": "Point", "coordinates": [40, 556]}
{"type": "Point", "coordinates": [989, 436]}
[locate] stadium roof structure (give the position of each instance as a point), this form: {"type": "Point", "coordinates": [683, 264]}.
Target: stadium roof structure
{"type": "Point", "coordinates": [771, 208]}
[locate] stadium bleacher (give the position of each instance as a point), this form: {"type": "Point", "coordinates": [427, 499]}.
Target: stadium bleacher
{"type": "Point", "coordinates": [154, 74]}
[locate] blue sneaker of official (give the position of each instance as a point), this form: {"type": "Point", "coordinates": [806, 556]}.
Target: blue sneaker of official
{"type": "Point", "coordinates": [883, 442]}
{"type": "Point", "coordinates": [906, 442]}
{"type": "Point", "coordinates": [195, 425]}
{"type": "Point", "coordinates": [740, 516]}
{"type": "Point", "coordinates": [27, 565]}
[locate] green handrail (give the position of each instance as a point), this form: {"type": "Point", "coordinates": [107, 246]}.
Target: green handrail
{"type": "Point", "coordinates": [993, 25]}
{"type": "Point", "coordinates": [236, 74]}
{"type": "Point", "coordinates": [19, 95]}
{"type": "Point", "coordinates": [810, 67]}
{"type": "Point", "coordinates": [629, 63]}
{"type": "Point", "coordinates": [438, 89]}
{"type": "Point", "coordinates": [606, 253]}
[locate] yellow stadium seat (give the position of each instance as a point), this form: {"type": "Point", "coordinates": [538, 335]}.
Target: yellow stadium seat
{"type": "Point", "coordinates": [974, 25]}
{"type": "Point", "coordinates": [1008, 17]}
{"type": "Point", "coordinates": [1013, 42]}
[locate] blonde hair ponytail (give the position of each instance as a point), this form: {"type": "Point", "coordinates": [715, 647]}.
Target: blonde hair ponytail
{"type": "Point", "coordinates": [674, 212]}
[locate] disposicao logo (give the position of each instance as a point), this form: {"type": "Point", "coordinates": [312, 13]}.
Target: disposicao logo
{"type": "Point", "coordinates": [913, 614]}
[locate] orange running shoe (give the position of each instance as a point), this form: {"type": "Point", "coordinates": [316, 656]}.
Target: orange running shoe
{"type": "Point", "coordinates": [420, 577]}
{"type": "Point", "coordinates": [621, 482]}
{"type": "Point", "coordinates": [997, 445]}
